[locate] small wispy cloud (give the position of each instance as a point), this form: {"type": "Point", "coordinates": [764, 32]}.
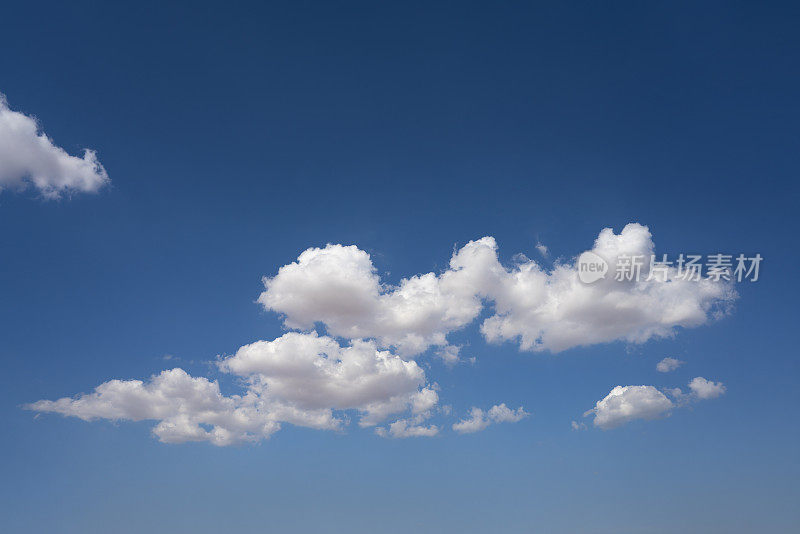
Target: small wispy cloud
{"type": "Point", "coordinates": [479, 419]}
{"type": "Point", "coordinates": [668, 364]}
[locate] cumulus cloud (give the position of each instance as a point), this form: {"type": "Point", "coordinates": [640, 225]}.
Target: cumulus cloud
{"type": "Point", "coordinates": [315, 372]}
{"type": "Point", "coordinates": [187, 408]}
{"type": "Point", "coordinates": [628, 403]}
{"type": "Point", "coordinates": [338, 286]}
{"type": "Point", "coordinates": [29, 157]}
{"type": "Point", "coordinates": [479, 419]}
{"type": "Point", "coordinates": [668, 364]}
{"type": "Point", "coordinates": [555, 311]}
{"type": "Point", "coordinates": [539, 309]}
{"type": "Point", "coordinates": [301, 379]}
{"type": "Point", "coordinates": [706, 389]}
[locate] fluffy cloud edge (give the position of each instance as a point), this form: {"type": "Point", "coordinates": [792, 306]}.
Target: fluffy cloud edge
{"type": "Point", "coordinates": [28, 157]}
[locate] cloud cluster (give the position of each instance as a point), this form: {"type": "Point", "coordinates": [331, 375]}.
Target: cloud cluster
{"type": "Point", "coordinates": [479, 420]}
{"type": "Point", "coordinates": [541, 310]}
{"type": "Point", "coordinates": [29, 157]}
{"type": "Point", "coordinates": [365, 364]}
{"type": "Point", "coordinates": [302, 379]}
{"type": "Point", "coordinates": [628, 403]}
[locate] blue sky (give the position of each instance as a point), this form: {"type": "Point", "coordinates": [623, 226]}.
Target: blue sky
{"type": "Point", "coordinates": [236, 137]}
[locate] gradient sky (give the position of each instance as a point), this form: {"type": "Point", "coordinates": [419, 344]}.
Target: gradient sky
{"type": "Point", "coordinates": [237, 136]}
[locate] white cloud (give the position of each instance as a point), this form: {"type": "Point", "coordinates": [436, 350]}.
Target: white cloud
{"type": "Point", "coordinates": [541, 310]}
{"type": "Point", "coordinates": [302, 379]}
{"type": "Point", "coordinates": [29, 157]}
{"type": "Point", "coordinates": [503, 414]}
{"type": "Point", "coordinates": [578, 426]}
{"type": "Point", "coordinates": [680, 398]}
{"type": "Point", "coordinates": [338, 286]}
{"type": "Point", "coordinates": [407, 428]}
{"type": "Point", "coordinates": [479, 420]}
{"type": "Point", "coordinates": [183, 405]}
{"type": "Point", "coordinates": [555, 311]}
{"type": "Point", "coordinates": [315, 372]}
{"type": "Point", "coordinates": [668, 364]}
{"type": "Point", "coordinates": [706, 389]}
{"type": "Point", "coordinates": [449, 354]}
{"type": "Point", "coordinates": [627, 403]}
{"type": "Point", "coordinates": [476, 422]}
{"type": "Point", "coordinates": [543, 250]}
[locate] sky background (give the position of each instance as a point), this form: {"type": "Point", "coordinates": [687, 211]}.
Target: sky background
{"type": "Point", "coordinates": [236, 136]}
